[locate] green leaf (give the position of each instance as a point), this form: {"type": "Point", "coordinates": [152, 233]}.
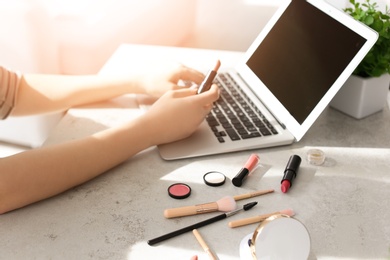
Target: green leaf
{"type": "Point", "coordinates": [377, 25]}
{"type": "Point", "coordinates": [377, 60]}
{"type": "Point", "coordinates": [369, 20]}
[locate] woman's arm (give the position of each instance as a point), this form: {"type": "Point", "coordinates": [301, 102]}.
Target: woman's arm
{"type": "Point", "coordinates": [40, 93]}
{"type": "Point", "coordinates": [44, 172]}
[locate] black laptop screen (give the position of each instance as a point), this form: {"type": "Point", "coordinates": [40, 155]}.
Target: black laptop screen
{"type": "Point", "coordinates": [302, 56]}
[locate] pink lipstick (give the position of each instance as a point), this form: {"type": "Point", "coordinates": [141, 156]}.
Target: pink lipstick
{"type": "Point", "coordinates": [290, 172]}
{"type": "Point", "coordinates": [248, 167]}
{"type": "Point", "coordinates": [208, 80]}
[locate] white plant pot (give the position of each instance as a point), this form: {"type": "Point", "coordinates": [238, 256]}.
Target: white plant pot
{"type": "Point", "coordinates": [360, 97]}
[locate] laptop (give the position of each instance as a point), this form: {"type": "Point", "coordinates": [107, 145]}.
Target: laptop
{"type": "Point", "coordinates": [288, 76]}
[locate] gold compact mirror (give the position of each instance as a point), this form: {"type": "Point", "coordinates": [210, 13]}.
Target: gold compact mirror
{"type": "Point", "coordinates": [278, 237]}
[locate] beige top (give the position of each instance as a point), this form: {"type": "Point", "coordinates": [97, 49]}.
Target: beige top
{"type": "Point", "coordinates": [9, 83]}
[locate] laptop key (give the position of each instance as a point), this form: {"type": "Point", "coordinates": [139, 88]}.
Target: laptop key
{"type": "Point", "coordinates": [214, 129]}
{"type": "Point", "coordinates": [232, 134]}
{"type": "Point", "coordinates": [265, 131]}
{"type": "Point", "coordinates": [242, 131]}
{"type": "Point", "coordinates": [251, 135]}
{"type": "Point", "coordinates": [274, 131]}
{"type": "Point", "coordinates": [212, 122]}
{"type": "Point", "coordinates": [221, 140]}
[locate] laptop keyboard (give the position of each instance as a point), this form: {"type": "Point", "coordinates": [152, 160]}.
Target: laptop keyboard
{"type": "Point", "coordinates": [236, 114]}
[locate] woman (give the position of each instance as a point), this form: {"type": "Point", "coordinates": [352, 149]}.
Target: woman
{"type": "Point", "coordinates": [40, 173]}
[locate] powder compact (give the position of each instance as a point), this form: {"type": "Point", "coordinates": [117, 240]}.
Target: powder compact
{"type": "Point", "coordinates": [214, 178]}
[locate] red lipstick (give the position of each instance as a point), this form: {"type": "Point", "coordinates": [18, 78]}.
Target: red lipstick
{"type": "Point", "coordinates": [290, 172]}
{"type": "Point", "coordinates": [248, 167]}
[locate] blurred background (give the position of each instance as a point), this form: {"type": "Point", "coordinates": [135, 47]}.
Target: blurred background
{"type": "Point", "coordinates": [78, 37]}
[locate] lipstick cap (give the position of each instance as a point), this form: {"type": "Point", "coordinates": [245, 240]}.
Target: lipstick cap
{"type": "Point", "coordinates": [291, 169]}
{"type": "Point", "coordinates": [293, 163]}
{"type": "Point", "coordinates": [239, 178]}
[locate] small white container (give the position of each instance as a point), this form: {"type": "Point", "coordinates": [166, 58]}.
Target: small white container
{"type": "Point", "coordinates": [315, 157]}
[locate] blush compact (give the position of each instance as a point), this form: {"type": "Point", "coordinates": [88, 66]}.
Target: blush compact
{"type": "Point", "coordinates": [179, 191]}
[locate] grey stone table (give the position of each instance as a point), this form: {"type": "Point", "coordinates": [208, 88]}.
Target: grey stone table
{"type": "Point", "coordinates": [344, 203]}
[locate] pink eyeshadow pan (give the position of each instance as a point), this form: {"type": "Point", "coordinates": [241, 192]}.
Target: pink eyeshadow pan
{"type": "Point", "coordinates": [179, 191]}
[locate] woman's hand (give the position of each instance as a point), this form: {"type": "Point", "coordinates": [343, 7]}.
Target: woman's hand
{"type": "Point", "coordinates": [161, 78]}
{"type": "Point", "coordinates": [177, 114]}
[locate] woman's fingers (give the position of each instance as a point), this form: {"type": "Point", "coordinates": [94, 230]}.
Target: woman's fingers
{"type": "Point", "coordinates": [189, 74]}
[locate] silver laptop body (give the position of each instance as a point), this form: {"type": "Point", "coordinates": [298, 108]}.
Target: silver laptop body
{"type": "Point", "coordinates": [290, 73]}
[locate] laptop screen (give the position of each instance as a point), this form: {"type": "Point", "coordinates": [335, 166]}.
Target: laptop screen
{"type": "Point", "coordinates": [300, 72]}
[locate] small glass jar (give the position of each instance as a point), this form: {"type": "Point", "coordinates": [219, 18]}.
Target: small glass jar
{"type": "Point", "coordinates": [315, 157]}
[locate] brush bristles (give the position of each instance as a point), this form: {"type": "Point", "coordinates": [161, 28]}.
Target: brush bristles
{"type": "Point", "coordinates": [288, 212]}
{"type": "Point", "coordinates": [226, 204]}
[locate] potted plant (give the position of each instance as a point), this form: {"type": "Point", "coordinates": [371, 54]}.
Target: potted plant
{"type": "Point", "coordinates": [365, 92]}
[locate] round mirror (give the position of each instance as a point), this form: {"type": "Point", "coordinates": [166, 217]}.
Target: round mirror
{"type": "Point", "coordinates": [277, 237]}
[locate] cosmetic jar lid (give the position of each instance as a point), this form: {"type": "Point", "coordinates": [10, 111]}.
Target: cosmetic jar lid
{"type": "Point", "coordinates": [179, 191]}
{"type": "Point", "coordinates": [315, 156]}
{"type": "Point", "coordinates": [214, 178]}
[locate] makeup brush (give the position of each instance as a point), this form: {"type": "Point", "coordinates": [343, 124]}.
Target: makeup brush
{"type": "Point", "coordinates": [204, 245]}
{"type": "Point", "coordinates": [200, 224]}
{"type": "Point", "coordinates": [252, 194]}
{"type": "Point", "coordinates": [256, 219]}
{"type": "Point", "coordinates": [225, 204]}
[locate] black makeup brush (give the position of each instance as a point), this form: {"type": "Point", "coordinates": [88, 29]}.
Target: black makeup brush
{"type": "Point", "coordinates": [200, 224]}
